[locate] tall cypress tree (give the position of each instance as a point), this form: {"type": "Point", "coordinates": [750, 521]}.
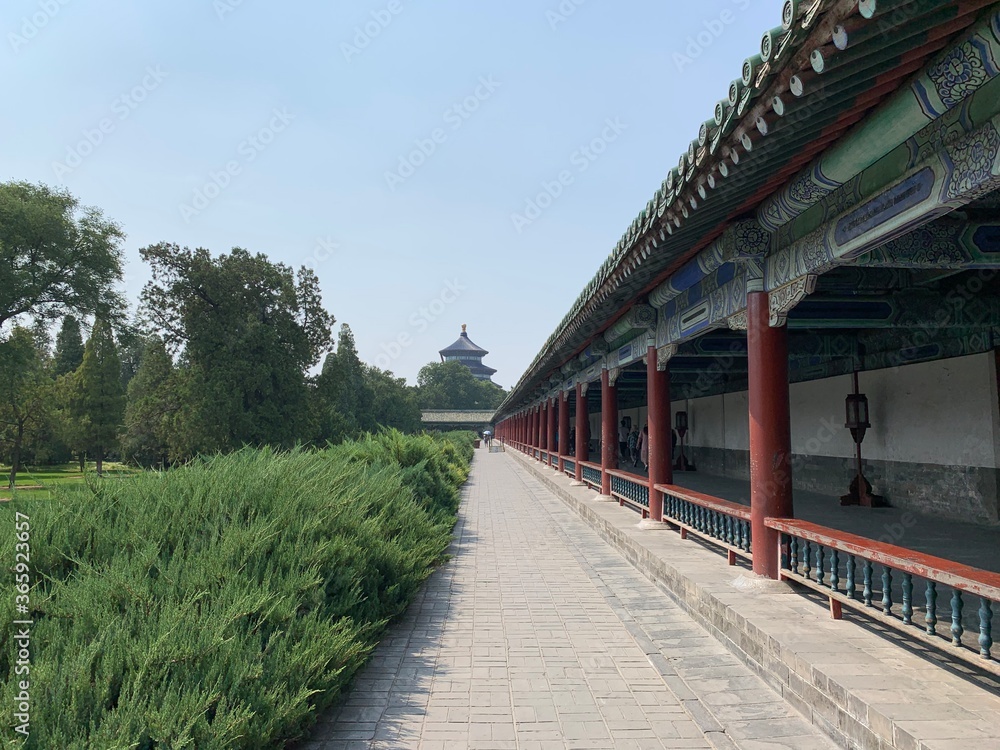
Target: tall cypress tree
{"type": "Point", "coordinates": [69, 347]}
{"type": "Point", "coordinates": [345, 392]}
{"type": "Point", "coordinates": [151, 404]}
{"type": "Point", "coordinates": [99, 405]}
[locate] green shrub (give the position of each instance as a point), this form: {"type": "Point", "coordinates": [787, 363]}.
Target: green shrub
{"type": "Point", "coordinates": [221, 605]}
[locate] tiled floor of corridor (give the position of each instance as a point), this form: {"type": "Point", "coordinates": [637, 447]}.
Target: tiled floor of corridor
{"type": "Point", "coordinates": [537, 634]}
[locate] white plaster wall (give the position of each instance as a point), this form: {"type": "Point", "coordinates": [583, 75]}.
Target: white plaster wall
{"type": "Point", "coordinates": [818, 415]}
{"type": "Point", "coordinates": [706, 424]}
{"type": "Point", "coordinates": [717, 421]}
{"type": "Point", "coordinates": [943, 412]}
{"type": "Point", "coordinates": [935, 413]}
{"type": "Point", "coordinates": [737, 421]}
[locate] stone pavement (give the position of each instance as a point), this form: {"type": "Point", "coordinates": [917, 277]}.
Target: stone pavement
{"type": "Point", "coordinates": [537, 634]}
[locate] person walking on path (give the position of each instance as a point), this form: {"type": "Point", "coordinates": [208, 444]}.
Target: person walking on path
{"type": "Point", "coordinates": [633, 445]}
{"type": "Point", "coordinates": [623, 439]}
{"type": "Point", "coordinates": [644, 447]}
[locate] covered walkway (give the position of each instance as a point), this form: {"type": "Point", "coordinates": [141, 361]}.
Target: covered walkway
{"type": "Point", "coordinates": [538, 634]}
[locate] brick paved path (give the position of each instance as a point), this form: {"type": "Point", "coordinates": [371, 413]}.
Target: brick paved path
{"type": "Point", "coordinates": [537, 634]}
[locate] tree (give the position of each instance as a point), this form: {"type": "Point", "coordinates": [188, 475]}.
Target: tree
{"type": "Point", "coordinates": [248, 331]}
{"type": "Point", "coordinates": [24, 395]}
{"type": "Point", "coordinates": [394, 403]}
{"type": "Point", "coordinates": [150, 407]}
{"type": "Point", "coordinates": [55, 256]}
{"type": "Point", "coordinates": [69, 347]}
{"type": "Point", "coordinates": [98, 402]}
{"type": "Point", "coordinates": [344, 392]}
{"type": "Point", "coordinates": [132, 346]}
{"type": "Point", "coordinates": [451, 385]}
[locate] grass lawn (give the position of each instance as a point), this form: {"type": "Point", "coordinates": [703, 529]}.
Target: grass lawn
{"type": "Point", "coordinates": [38, 481]}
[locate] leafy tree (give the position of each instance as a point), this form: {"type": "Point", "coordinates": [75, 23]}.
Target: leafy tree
{"type": "Point", "coordinates": [249, 330]}
{"type": "Point", "coordinates": [394, 403]}
{"type": "Point", "coordinates": [24, 396]}
{"type": "Point", "coordinates": [451, 385]}
{"type": "Point", "coordinates": [69, 347]}
{"type": "Point", "coordinates": [151, 407]}
{"type": "Point", "coordinates": [55, 256]}
{"type": "Point", "coordinates": [98, 402]}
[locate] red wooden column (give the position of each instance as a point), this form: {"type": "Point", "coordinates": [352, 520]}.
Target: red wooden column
{"type": "Point", "coordinates": [543, 425]}
{"type": "Point", "coordinates": [658, 400]}
{"type": "Point", "coordinates": [609, 430]}
{"type": "Point", "coordinates": [563, 429]}
{"type": "Point", "coordinates": [534, 429]}
{"type": "Point", "coordinates": [582, 417]}
{"type": "Point", "coordinates": [770, 432]}
{"type": "Point", "coordinates": [550, 437]}
{"type": "Point", "coordinates": [537, 437]}
{"type": "Point", "coordinates": [540, 427]}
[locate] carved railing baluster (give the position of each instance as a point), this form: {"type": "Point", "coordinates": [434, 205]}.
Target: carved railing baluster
{"type": "Point", "coordinates": [886, 590]}
{"type": "Point", "coordinates": [985, 627]}
{"type": "Point", "coordinates": [868, 573]}
{"type": "Point", "coordinates": [907, 610]}
{"type": "Point", "coordinates": [956, 617]}
{"type": "Point", "coordinates": [930, 601]}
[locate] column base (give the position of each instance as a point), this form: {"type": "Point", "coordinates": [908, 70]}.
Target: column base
{"type": "Point", "coordinates": [753, 583]}
{"type": "Point", "coordinates": [577, 483]}
{"type": "Point", "coordinates": [648, 524]}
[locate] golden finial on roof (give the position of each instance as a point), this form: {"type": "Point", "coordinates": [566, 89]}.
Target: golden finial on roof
{"type": "Point", "coordinates": [463, 327]}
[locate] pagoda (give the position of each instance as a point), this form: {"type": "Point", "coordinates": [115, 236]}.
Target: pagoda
{"type": "Point", "coordinates": [468, 354]}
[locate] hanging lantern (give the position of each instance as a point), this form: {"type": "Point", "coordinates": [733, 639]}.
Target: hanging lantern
{"type": "Point", "coordinates": [682, 422]}
{"type": "Point", "coordinates": [681, 425]}
{"type": "Point", "coordinates": [857, 416]}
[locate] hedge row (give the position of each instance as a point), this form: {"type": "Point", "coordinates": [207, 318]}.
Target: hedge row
{"type": "Point", "coordinates": [223, 604]}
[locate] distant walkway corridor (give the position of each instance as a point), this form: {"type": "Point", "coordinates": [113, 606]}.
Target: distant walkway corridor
{"type": "Point", "coordinates": [537, 634]}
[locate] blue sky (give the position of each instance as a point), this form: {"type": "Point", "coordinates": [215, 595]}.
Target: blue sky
{"type": "Point", "coordinates": [395, 146]}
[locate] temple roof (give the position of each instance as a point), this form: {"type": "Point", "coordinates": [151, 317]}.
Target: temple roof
{"type": "Point", "coordinates": [478, 368]}
{"type": "Point", "coordinates": [464, 345]}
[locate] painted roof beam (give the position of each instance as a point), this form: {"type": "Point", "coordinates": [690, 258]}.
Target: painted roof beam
{"type": "Point", "coordinates": [928, 97]}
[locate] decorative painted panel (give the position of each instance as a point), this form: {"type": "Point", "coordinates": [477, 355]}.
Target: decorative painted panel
{"type": "Point", "coordinates": [948, 82]}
